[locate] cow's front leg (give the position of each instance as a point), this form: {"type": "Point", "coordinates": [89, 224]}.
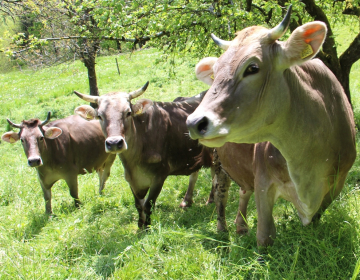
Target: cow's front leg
{"type": "Point", "coordinates": [46, 188]}
{"type": "Point", "coordinates": [73, 187]}
{"type": "Point", "coordinates": [139, 205]}
{"type": "Point", "coordinates": [265, 199]}
{"type": "Point", "coordinates": [149, 204]}
{"type": "Point", "coordinates": [241, 224]}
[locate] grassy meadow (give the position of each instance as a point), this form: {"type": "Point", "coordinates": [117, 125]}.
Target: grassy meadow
{"type": "Point", "coordinates": [100, 240]}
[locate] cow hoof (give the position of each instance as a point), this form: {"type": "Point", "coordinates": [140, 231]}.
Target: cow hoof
{"type": "Point", "coordinates": [77, 204]}
{"type": "Point", "coordinates": [185, 204]}
{"type": "Point", "coordinates": [242, 230]}
{"type": "Point", "coordinates": [210, 200]}
{"type": "Point", "coordinates": [222, 228]}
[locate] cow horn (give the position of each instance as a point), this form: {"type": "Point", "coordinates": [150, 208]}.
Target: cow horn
{"type": "Point", "coordinates": [13, 124]}
{"type": "Point", "coordinates": [221, 43]}
{"type": "Point", "coordinates": [280, 30]}
{"type": "Point", "coordinates": [47, 119]}
{"type": "Point", "coordinates": [88, 98]}
{"type": "Point", "coordinates": [138, 92]}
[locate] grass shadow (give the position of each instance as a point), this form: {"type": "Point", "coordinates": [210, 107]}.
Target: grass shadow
{"type": "Point", "coordinates": [35, 225]}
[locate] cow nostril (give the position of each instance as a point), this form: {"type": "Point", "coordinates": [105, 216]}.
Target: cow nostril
{"type": "Point", "coordinates": [33, 162]}
{"type": "Point", "coordinates": [202, 125]}
{"type": "Point", "coordinates": [108, 145]}
{"type": "Point", "coordinates": [120, 144]}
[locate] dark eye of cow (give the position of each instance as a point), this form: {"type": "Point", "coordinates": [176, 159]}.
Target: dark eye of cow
{"type": "Point", "coordinates": [252, 69]}
{"type": "Point", "coordinates": [41, 138]}
{"type": "Point", "coordinates": [22, 140]}
{"type": "Point", "coordinates": [128, 114]}
{"type": "Point", "coordinates": [99, 118]}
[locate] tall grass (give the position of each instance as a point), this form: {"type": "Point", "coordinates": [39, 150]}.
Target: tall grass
{"type": "Point", "coordinates": [101, 241]}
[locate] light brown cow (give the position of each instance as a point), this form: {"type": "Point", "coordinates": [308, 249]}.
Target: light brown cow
{"type": "Point", "coordinates": [267, 90]}
{"type": "Point", "coordinates": [61, 150]}
{"type": "Point", "coordinates": [151, 140]}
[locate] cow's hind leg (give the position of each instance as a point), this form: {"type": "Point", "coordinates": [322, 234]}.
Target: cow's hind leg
{"type": "Point", "coordinates": [105, 172]}
{"type": "Point", "coordinates": [73, 187]}
{"type": "Point", "coordinates": [188, 198]}
{"type": "Point", "coordinates": [241, 224]}
{"type": "Point", "coordinates": [211, 198]}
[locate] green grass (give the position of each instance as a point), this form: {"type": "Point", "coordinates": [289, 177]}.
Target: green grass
{"type": "Point", "coordinates": [101, 241]}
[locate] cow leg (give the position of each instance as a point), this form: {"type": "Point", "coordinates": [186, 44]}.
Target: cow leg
{"type": "Point", "coordinates": [265, 199]}
{"type": "Point", "coordinates": [46, 188]}
{"type": "Point", "coordinates": [73, 187]}
{"type": "Point", "coordinates": [211, 198]}
{"type": "Point", "coordinates": [149, 204]}
{"type": "Point", "coordinates": [221, 184]}
{"type": "Point", "coordinates": [139, 205]}
{"type": "Point", "coordinates": [240, 221]}
{"type": "Point", "coordinates": [188, 199]}
{"type": "Point", "coordinates": [105, 172]}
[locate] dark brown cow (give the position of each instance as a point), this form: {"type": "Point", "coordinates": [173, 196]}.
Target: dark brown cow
{"type": "Point", "coordinates": [266, 90]}
{"type": "Point", "coordinates": [151, 139]}
{"type": "Point", "coordinates": [63, 149]}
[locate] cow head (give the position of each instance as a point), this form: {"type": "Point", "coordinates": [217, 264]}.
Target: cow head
{"type": "Point", "coordinates": [32, 135]}
{"type": "Point", "coordinates": [114, 112]}
{"type": "Point", "coordinates": [249, 91]}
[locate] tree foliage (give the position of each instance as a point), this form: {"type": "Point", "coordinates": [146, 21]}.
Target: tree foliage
{"type": "Point", "coordinates": [78, 27]}
{"type": "Point", "coordinates": [187, 24]}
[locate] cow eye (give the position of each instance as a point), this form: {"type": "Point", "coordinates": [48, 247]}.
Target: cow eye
{"type": "Point", "coordinates": [41, 138]}
{"type": "Point", "coordinates": [252, 69]}
{"type": "Point", "coordinates": [22, 140]}
{"type": "Point", "coordinates": [128, 114]}
{"type": "Point", "coordinates": [99, 118]}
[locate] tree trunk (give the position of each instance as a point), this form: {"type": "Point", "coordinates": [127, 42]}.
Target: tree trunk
{"type": "Point", "coordinates": [88, 56]}
{"type": "Point", "coordinates": [329, 54]}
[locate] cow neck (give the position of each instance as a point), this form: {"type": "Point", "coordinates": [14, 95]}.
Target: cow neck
{"type": "Point", "coordinates": [134, 139]}
{"type": "Point", "coordinates": [307, 127]}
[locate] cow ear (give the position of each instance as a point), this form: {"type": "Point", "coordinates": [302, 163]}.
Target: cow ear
{"type": "Point", "coordinates": [204, 70]}
{"type": "Point", "coordinates": [141, 106]}
{"type": "Point", "coordinates": [52, 132]}
{"type": "Point", "coordinates": [85, 111]}
{"type": "Point", "coordinates": [304, 43]}
{"type": "Point", "coordinates": [10, 137]}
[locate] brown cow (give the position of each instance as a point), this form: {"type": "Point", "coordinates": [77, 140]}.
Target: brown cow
{"type": "Point", "coordinates": [267, 90]}
{"type": "Point", "coordinates": [63, 149]}
{"type": "Point", "coordinates": [151, 139]}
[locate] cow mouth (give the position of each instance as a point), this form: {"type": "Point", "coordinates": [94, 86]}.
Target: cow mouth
{"type": "Point", "coordinates": [213, 142]}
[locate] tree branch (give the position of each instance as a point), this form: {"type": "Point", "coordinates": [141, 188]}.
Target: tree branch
{"type": "Point", "coordinates": [351, 54]}
{"type": "Point", "coordinates": [350, 9]}
{"type": "Point", "coordinates": [122, 39]}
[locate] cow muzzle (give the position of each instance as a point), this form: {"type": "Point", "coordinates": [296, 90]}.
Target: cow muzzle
{"type": "Point", "coordinates": [197, 126]}
{"type": "Point", "coordinates": [115, 144]}
{"type": "Point", "coordinates": [35, 161]}
{"type": "Point", "coordinates": [207, 129]}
